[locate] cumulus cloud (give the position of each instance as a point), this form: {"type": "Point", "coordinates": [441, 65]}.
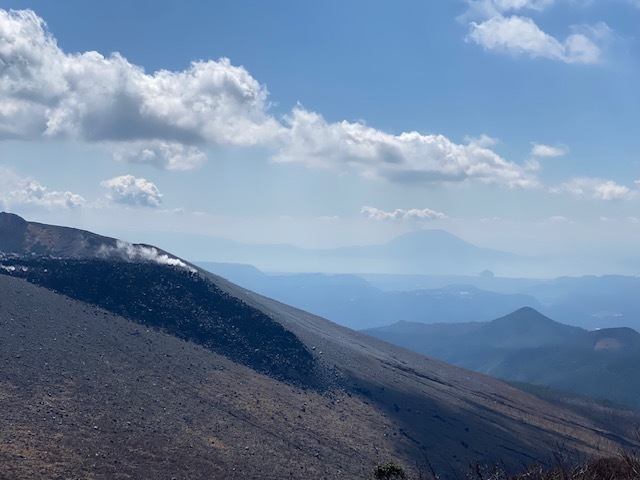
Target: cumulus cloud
{"type": "Point", "coordinates": [129, 190]}
{"type": "Point", "coordinates": [595, 188]}
{"type": "Point", "coordinates": [167, 155]}
{"type": "Point", "coordinates": [407, 157]}
{"type": "Point", "coordinates": [168, 118]}
{"type": "Point", "coordinates": [610, 190]}
{"type": "Point", "coordinates": [499, 25]}
{"type": "Point", "coordinates": [413, 214]}
{"type": "Point", "coordinates": [541, 150]}
{"type": "Point", "coordinates": [16, 191]}
{"type": "Point", "coordinates": [520, 35]}
{"type": "Point", "coordinates": [47, 92]}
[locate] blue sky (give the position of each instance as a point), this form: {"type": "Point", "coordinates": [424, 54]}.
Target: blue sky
{"type": "Point", "coordinates": [513, 124]}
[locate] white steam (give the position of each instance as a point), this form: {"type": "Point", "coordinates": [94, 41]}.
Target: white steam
{"type": "Point", "coordinates": [141, 253]}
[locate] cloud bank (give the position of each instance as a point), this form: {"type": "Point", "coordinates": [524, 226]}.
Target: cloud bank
{"type": "Point", "coordinates": [409, 157]}
{"type": "Point", "coordinates": [158, 118]}
{"type": "Point", "coordinates": [169, 119]}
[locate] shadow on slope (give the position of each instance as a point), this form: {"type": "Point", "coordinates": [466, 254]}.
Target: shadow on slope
{"type": "Point", "coordinates": [182, 303]}
{"type": "Point", "coordinates": [88, 394]}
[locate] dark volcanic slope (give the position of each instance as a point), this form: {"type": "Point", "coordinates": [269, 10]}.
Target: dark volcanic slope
{"type": "Point", "coordinates": [181, 302]}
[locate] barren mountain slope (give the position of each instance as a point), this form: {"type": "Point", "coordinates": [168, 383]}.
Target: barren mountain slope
{"type": "Point", "coordinates": [329, 402]}
{"type": "Point", "coordinates": [87, 394]}
{"type": "Point", "coordinates": [441, 407]}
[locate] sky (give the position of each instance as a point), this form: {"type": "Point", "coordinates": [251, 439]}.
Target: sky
{"type": "Point", "coordinates": [513, 124]}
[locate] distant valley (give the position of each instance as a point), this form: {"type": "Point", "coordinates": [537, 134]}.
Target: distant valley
{"type": "Point", "coordinates": [355, 303]}
{"type": "Point", "coordinates": [368, 300]}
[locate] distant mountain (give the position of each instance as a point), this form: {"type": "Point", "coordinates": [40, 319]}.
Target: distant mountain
{"type": "Point", "coordinates": [355, 303]}
{"type": "Point", "coordinates": [527, 328]}
{"type": "Point", "coordinates": [419, 252]}
{"type": "Point", "coordinates": [526, 346]}
{"type": "Point", "coordinates": [140, 365]}
{"type": "Point", "coordinates": [434, 251]}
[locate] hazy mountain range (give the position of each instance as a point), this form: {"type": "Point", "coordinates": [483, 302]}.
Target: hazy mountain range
{"type": "Point", "coordinates": [123, 361]}
{"type": "Point", "coordinates": [526, 346]}
{"type": "Point", "coordinates": [353, 302]}
{"type": "Point", "coordinates": [417, 252]}
{"type": "Point", "coordinates": [363, 301]}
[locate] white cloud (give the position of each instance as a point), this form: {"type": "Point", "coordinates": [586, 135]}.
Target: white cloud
{"type": "Point", "coordinates": [47, 92]}
{"type": "Point", "coordinates": [610, 190]}
{"type": "Point", "coordinates": [16, 191]}
{"type": "Point", "coordinates": [130, 190]}
{"type": "Point", "coordinates": [520, 35]}
{"type": "Point", "coordinates": [413, 214]}
{"type": "Point", "coordinates": [595, 188]}
{"type": "Point", "coordinates": [499, 25]}
{"type": "Point", "coordinates": [558, 219]}
{"type": "Point", "coordinates": [168, 118]}
{"type": "Point", "coordinates": [485, 9]}
{"type": "Point", "coordinates": [520, 4]}
{"type": "Point", "coordinates": [532, 165]}
{"type": "Point", "coordinates": [514, 5]}
{"type": "Point", "coordinates": [540, 150]}
{"type": "Point", "coordinates": [170, 156]}
{"type": "Point", "coordinates": [409, 157]}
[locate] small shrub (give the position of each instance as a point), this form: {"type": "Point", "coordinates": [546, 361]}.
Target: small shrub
{"type": "Point", "coordinates": [389, 471]}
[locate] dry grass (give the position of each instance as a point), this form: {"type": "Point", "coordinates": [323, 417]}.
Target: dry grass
{"type": "Point", "coordinates": [624, 466]}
